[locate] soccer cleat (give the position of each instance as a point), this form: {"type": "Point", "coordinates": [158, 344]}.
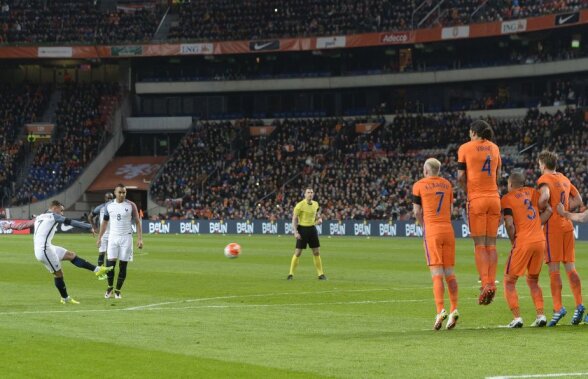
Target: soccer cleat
{"type": "Point", "coordinates": [516, 323]}
{"type": "Point", "coordinates": [322, 277]}
{"type": "Point", "coordinates": [557, 316]}
{"type": "Point", "coordinates": [117, 294]}
{"type": "Point", "coordinates": [578, 314]}
{"type": "Point", "coordinates": [108, 293]}
{"type": "Point", "coordinates": [290, 277]}
{"type": "Point", "coordinates": [103, 270]}
{"type": "Point", "coordinates": [452, 321]}
{"type": "Point", "coordinates": [69, 300]}
{"type": "Point", "coordinates": [487, 294]}
{"type": "Point", "coordinates": [540, 321]}
{"type": "Point", "coordinates": [441, 316]}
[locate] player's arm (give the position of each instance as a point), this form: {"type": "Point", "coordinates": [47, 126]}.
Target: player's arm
{"type": "Point", "coordinates": [74, 223]}
{"type": "Point", "coordinates": [461, 169]}
{"type": "Point", "coordinates": [462, 176]}
{"type": "Point", "coordinates": [103, 226]}
{"type": "Point", "coordinates": [575, 200]}
{"type": "Point", "coordinates": [545, 214]}
{"type": "Point", "coordinates": [14, 226]}
{"type": "Point", "coordinates": [295, 223]}
{"type": "Point", "coordinates": [418, 213]}
{"type": "Point", "coordinates": [577, 217]}
{"type": "Point", "coordinates": [139, 225]}
{"type": "Point", "coordinates": [544, 195]}
{"type": "Point", "coordinates": [509, 224]}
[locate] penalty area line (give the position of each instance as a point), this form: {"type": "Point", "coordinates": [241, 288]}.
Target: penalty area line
{"type": "Point", "coordinates": [556, 375]}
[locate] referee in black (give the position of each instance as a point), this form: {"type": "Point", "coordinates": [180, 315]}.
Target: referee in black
{"type": "Point", "coordinates": [304, 218]}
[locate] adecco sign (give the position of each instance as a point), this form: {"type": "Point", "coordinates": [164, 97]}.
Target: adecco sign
{"type": "Point", "coordinates": [394, 38]}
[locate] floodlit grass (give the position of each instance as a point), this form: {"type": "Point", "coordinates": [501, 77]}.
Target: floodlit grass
{"type": "Point", "coordinates": [188, 311]}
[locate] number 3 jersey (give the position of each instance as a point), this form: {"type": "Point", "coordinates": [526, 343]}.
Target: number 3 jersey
{"type": "Point", "coordinates": [119, 216]}
{"type": "Point", "coordinates": [435, 195]}
{"type": "Point", "coordinates": [521, 204]}
{"type": "Point", "coordinates": [480, 160]}
{"type": "Point", "coordinates": [560, 189]}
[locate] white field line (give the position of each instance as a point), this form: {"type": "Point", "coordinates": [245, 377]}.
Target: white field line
{"type": "Point", "coordinates": [558, 375]}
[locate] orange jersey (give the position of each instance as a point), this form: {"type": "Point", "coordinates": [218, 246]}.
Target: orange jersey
{"type": "Point", "coordinates": [521, 204]}
{"type": "Point", "coordinates": [560, 189]}
{"type": "Point", "coordinates": [481, 161]}
{"type": "Point", "coordinates": [435, 195]}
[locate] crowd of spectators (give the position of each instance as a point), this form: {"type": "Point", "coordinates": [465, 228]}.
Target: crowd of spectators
{"type": "Point", "coordinates": [355, 175]}
{"type": "Point", "coordinates": [19, 104]}
{"type": "Point", "coordinates": [82, 127]}
{"type": "Point", "coordinates": [213, 20]}
{"type": "Point", "coordinates": [59, 21]}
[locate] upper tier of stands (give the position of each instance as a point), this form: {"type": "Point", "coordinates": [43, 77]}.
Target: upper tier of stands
{"type": "Point", "coordinates": [82, 21]}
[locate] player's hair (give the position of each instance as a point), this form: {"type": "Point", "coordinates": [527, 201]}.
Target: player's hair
{"type": "Point", "coordinates": [482, 129]}
{"type": "Point", "coordinates": [55, 203]}
{"type": "Point", "coordinates": [434, 165]}
{"type": "Point", "coordinates": [119, 185]}
{"type": "Point", "coordinates": [548, 158]}
{"type": "Point", "coordinates": [308, 188]}
{"type": "Point", "coordinates": [517, 178]}
{"type": "Point", "coordinates": [108, 196]}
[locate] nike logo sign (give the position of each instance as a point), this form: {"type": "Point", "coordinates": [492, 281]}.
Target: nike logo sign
{"type": "Point", "coordinates": [563, 20]}
{"type": "Point", "coordinates": [261, 46]}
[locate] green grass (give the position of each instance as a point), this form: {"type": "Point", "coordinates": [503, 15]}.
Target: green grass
{"type": "Point", "coordinates": [188, 311]}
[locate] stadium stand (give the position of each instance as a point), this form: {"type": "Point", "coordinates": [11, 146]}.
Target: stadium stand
{"type": "Point", "coordinates": [18, 105]}
{"type": "Point", "coordinates": [213, 20]}
{"type": "Point", "coordinates": [82, 128]}
{"type": "Point", "coordinates": [59, 21]}
{"type": "Point", "coordinates": [359, 176]}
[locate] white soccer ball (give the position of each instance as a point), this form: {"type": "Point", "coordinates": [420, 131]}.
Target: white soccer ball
{"type": "Point", "coordinates": [232, 250]}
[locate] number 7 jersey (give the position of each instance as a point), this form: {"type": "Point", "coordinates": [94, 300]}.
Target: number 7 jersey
{"type": "Point", "coordinates": [435, 195]}
{"type": "Point", "coordinates": [480, 160]}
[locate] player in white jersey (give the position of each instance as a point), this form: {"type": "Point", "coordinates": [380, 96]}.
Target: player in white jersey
{"type": "Point", "coordinates": [119, 216]}
{"type": "Point", "coordinates": [95, 218]}
{"type": "Point", "coordinates": [51, 255]}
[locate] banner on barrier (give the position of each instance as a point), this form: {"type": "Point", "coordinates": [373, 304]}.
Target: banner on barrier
{"type": "Point", "coordinates": [373, 228]}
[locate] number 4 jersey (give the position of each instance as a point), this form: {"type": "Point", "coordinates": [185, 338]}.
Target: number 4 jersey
{"type": "Point", "coordinates": [480, 160]}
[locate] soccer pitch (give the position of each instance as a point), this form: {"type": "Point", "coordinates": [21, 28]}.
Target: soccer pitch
{"type": "Point", "coordinates": [187, 311]}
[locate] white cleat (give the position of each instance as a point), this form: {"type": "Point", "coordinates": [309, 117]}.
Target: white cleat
{"type": "Point", "coordinates": [516, 323]}
{"type": "Point", "coordinates": [453, 317]}
{"type": "Point", "coordinates": [540, 321]}
{"type": "Point", "coordinates": [441, 316]}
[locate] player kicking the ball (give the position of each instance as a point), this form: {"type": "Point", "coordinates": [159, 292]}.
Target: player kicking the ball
{"type": "Point", "coordinates": [51, 255]}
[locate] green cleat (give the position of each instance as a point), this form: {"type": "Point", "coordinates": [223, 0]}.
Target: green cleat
{"type": "Point", "coordinates": [102, 271]}
{"type": "Point", "coordinates": [69, 300]}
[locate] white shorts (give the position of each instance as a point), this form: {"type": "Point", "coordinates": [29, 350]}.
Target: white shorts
{"type": "Point", "coordinates": [51, 256]}
{"type": "Point", "coordinates": [120, 247]}
{"type": "Point", "coordinates": [103, 244]}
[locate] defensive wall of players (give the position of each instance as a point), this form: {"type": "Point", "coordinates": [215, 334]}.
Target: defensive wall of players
{"type": "Point", "coordinates": [373, 228]}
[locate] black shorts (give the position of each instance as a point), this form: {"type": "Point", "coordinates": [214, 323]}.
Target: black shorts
{"type": "Point", "coordinates": [308, 236]}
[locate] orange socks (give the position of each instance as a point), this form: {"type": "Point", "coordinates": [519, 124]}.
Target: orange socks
{"type": "Point", "coordinates": [536, 293]}
{"type": "Point", "coordinates": [510, 293]}
{"type": "Point", "coordinates": [555, 279]}
{"type": "Point", "coordinates": [576, 286]}
{"type": "Point", "coordinates": [452, 289]}
{"type": "Point", "coordinates": [492, 257]}
{"type": "Point", "coordinates": [438, 291]}
{"type": "Point", "coordinates": [481, 263]}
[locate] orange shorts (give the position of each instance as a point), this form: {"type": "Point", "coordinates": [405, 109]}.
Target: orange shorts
{"type": "Point", "coordinates": [525, 257]}
{"type": "Point", "coordinates": [440, 249]}
{"type": "Point", "coordinates": [560, 247]}
{"type": "Point", "coordinates": [484, 216]}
